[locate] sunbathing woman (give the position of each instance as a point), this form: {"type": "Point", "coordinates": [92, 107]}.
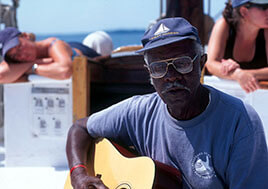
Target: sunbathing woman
{"type": "Point", "coordinates": [238, 45]}
{"type": "Point", "coordinates": [51, 57]}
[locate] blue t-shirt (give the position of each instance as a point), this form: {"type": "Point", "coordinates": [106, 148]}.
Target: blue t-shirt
{"type": "Point", "coordinates": [223, 147]}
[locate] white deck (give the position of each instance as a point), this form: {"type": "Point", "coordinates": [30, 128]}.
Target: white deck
{"type": "Point", "coordinates": [32, 178]}
{"type": "Point", "coordinates": [46, 177]}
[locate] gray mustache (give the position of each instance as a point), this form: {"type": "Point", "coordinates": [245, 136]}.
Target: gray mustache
{"type": "Point", "coordinates": [175, 85]}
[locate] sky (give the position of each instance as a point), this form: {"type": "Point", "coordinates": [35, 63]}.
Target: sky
{"type": "Point", "coordinates": [77, 16]}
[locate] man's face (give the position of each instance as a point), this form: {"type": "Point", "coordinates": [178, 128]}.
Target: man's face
{"type": "Point", "coordinates": [24, 52]}
{"type": "Point", "coordinates": [175, 88]}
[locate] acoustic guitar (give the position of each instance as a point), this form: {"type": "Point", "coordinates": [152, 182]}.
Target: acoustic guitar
{"type": "Point", "coordinates": [120, 169]}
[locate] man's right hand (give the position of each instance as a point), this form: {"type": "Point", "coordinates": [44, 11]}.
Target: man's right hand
{"type": "Point", "coordinates": [81, 180]}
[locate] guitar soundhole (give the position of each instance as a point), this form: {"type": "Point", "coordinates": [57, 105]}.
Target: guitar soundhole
{"type": "Point", "coordinates": [123, 186]}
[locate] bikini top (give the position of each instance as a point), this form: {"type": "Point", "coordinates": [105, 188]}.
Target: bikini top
{"type": "Point", "coordinates": [259, 60]}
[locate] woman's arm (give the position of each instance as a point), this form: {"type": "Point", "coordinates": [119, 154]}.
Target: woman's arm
{"type": "Point", "coordinates": [259, 74]}
{"type": "Point", "coordinates": [61, 66]}
{"type": "Point", "coordinates": [246, 79]}
{"type": "Point", "coordinates": [249, 79]}
{"type": "Point", "coordinates": [12, 72]}
{"type": "Point", "coordinates": [216, 65]}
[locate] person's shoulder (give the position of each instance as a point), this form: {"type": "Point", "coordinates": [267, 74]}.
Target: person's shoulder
{"type": "Point", "coordinates": [256, 123]}
{"type": "Point", "coordinates": [134, 104]}
{"type": "Point", "coordinates": [142, 104]}
{"type": "Point", "coordinates": [50, 39]}
{"type": "Point", "coordinates": [218, 37]}
{"type": "Point", "coordinates": [48, 42]}
{"type": "Point", "coordinates": [145, 100]}
{"type": "Point", "coordinates": [221, 25]}
{"type": "Point", "coordinates": [137, 101]}
{"type": "Point", "coordinates": [236, 107]}
{"type": "Point", "coordinates": [221, 21]}
{"type": "Point", "coordinates": [53, 40]}
{"type": "Point", "coordinates": [230, 102]}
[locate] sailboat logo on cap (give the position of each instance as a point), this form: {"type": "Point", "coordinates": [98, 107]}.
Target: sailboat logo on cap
{"type": "Point", "coordinates": [161, 29]}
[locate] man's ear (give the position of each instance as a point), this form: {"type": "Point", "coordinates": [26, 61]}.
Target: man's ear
{"type": "Point", "coordinates": [203, 60]}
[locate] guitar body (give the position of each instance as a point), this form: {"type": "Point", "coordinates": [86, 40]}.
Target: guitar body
{"type": "Point", "coordinates": [119, 171]}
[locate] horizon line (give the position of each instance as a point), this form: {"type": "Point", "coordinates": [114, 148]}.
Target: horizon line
{"type": "Point", "coordinates": [85, 32]}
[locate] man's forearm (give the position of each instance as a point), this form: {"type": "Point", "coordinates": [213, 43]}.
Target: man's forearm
{"type": "Point", "coordinates": [78, 143]}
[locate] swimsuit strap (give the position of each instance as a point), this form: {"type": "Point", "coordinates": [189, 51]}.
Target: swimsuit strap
{"type": "Point", "coordinates": [74, 53]}
{"type": "Point", "coordinates": [53, 42]}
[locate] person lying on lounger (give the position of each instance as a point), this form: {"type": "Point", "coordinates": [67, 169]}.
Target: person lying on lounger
{"type": "Point", "coordinates": [50, 58]}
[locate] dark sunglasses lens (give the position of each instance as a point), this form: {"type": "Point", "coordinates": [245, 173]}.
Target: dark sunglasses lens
{"type": "Point", "coordinates": [260, 6]}
{"type": "Point", "coordinates": [265, 7]}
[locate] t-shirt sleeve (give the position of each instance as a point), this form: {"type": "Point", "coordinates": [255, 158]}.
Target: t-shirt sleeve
{"type": "Point", "coordinates": [248, 163]}
{"type": "Point", "coordinates": [112, 123]}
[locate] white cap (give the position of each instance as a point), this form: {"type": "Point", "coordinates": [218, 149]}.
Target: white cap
{"type": "Point", "coordinates": [100, 41]}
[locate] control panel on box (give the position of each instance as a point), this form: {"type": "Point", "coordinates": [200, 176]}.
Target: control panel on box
{"type": "Point", "coordinates": [50, 111]}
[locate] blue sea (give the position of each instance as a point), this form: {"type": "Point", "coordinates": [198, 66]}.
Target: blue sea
{"type": "Point", "coordinates": [119, 37]}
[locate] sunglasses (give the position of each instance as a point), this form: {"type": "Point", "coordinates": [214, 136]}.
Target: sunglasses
{"type": "Point", "coordinates": [259, 6]}
{"type": "Point", "coordinates": [159, 69]}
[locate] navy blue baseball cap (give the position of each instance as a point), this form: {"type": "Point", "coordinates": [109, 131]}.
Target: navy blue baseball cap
{"type": "Point", "coordinates": [9, 38]}
{"type": "Point", "coordinates": [167, 31]}
{"type": "Point", "coordinates": [237, 3]}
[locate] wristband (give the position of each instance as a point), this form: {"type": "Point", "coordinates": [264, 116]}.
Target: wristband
{"type": "Point", "coordinates": [77, 166]}
{"type": "Point", "coordinates": [34, 67]}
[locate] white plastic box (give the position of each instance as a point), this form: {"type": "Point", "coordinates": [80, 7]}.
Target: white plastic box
{"type": "Point", "coordinates": [37, 116]}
